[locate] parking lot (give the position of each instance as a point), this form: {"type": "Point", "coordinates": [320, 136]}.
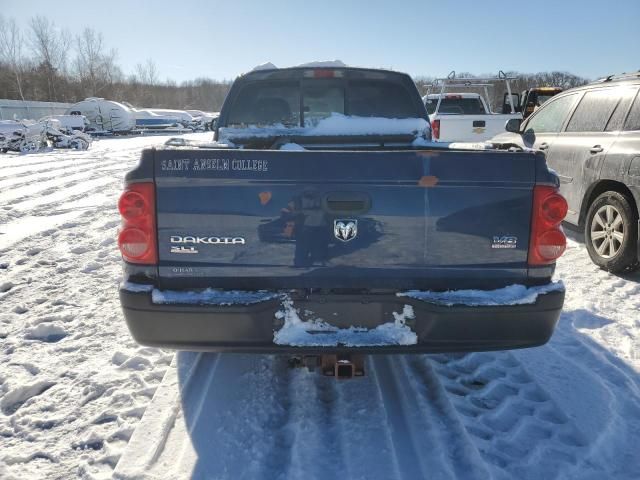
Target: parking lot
{"type": "Point", "coordinates": [75, 385]}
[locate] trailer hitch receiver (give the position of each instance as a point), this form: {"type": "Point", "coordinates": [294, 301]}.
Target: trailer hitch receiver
{"type": "Point", "coordinates": [342, 367]}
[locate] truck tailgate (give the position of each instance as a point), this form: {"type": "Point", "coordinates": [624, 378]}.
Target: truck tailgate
{"type": "Point", "coordinates": [254, 219]}
{"type": "Point", "coordinates": [471, 128]}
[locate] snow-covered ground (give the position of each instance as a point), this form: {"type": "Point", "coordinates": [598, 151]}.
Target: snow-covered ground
{"type": "Point", "coordinates": [74, 386]}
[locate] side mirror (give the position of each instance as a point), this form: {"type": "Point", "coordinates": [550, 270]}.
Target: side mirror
{"type": "Point", "coordinates": [513, 125]}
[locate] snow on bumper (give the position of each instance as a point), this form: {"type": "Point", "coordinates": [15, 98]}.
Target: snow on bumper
{"type": "Point", "coordinates": [384, 323]}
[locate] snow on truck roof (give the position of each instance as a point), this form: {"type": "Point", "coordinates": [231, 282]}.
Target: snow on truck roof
{"type": "Point", "coordinates": [315, 64]}
{"type": "Point", "coordinates": [335, 65]}
{"type": "Point", "coordinates": [307, 70]}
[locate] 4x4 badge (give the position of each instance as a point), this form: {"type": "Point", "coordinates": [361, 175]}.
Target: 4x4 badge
{"type": "Point", "coordinates": [345, 229]}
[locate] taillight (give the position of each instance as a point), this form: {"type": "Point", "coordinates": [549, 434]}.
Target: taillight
{"type": "Point", "coordinates": [547, 242]}
{"type": "Point", "coordinates": [323, 73]}
{"type": "Point", "coordinates": [435, 129]}
{"type": "Point", "coordinates": [137, 238]}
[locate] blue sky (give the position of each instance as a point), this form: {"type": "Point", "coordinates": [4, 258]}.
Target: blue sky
{"type": "Point", "coordinates": [220, 39]}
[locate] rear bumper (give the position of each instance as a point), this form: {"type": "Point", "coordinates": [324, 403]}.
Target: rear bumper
{"type": "Point", "coordinates": [250, 328]}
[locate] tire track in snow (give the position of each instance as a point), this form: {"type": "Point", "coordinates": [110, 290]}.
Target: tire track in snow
{"type": "Point", "coordinates": [314, 437]}
{"type": "Point", "coordinates": [422, 439]}
{"type": "Point", "coordinates": [25, 162]}
{"type": "Point", "coordinates": [67, 215]}
{"type": "Point", "coordinates": [48, 212]}
{"type": "Point", "coordinates": [462, 453]}
{"type": "Point", "coordinates": [479, 415]}
{"type": "Point", "coordinates": [248, 436]}
{"type": "Point", "coordinates": [50, 204]}
{"type": "Point", "coordinates": [358, 413]}
{"type": "Point", "coordinates": [520, 431]}
{"type": "Point", "coordinates": [49, 186]}
{"type": "Point", "coordinates": [24, 177]}
{"type": "Point", "coordinates": [600, 377]}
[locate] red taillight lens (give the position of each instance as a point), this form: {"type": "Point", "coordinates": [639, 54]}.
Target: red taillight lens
{"type": "Point", "coordinates": [548, 241]}
{"type": "Point", "coordinates": [435, 129]}
{"type": "Point", "coordinates": [323, 73]}
{"type": "Point", "coordinates": [137, 239]}
{"type": "Point", "coordinates": [132, 205]}
{"type": "Point", "coordinates": [554, 209]}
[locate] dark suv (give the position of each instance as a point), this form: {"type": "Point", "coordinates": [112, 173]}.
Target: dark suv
{"type": "Point", "coordinates": [591, 136]}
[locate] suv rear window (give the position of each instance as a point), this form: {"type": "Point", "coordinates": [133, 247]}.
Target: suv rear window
{"type": "Point", "coordinates": [456, 106]}
{"type": "Point", "coordinates": [633, 120]}
{"type": "Point", "coordinates": [288, 102]}
{"type": "Point", "coordinates": [594, 110]}
{"type": "Point", "coordinates": [619, 114]}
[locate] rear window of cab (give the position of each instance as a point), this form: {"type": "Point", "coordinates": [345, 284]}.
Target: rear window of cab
{"type": "Point", "coordinates": [304, 103]}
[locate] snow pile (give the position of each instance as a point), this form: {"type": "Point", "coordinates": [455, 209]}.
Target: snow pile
{"type": "Point", "coordinates": [211, 296]}
{"type": "Point", "coordinates": [264, 66]}
{"type": "Point", "coordinates": [335, 125]}
{"type": "Point", "coordinates": [292, 147]}
{"type": "Point", "coordinates": [324, 64]}
{"type": "Point", "coordinates": [511, 295]}
{"type": "Point", "coordinates": [317, 333]}
{"type": "Point", "coordinates": [315, 64]}
{"type": "Point", "coordinates": [338, 124]}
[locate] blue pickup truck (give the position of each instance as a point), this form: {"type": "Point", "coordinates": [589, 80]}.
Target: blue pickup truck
{"type": "Point", "coordinates": [322, 210]}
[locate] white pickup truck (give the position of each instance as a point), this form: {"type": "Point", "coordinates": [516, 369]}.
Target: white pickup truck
{"type": "Point", "coordinates": [464, 117]}
{"type": "Point", "coordinates": [467, 117]}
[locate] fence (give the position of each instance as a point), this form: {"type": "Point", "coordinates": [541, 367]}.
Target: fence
{"type": "Point", "coordinates": [27, 110]}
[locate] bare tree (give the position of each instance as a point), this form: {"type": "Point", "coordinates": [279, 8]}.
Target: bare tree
{"type": "Point", "coordinates": [50, 47]}
{"type": "Point", "coordinates": [147, 76]}
{"type": "Point", "coordinates": [96, 68]}
{"type": "Point", "coordinates": [11, 51]}
{"type": "Point", "coordinates": [148, 73]}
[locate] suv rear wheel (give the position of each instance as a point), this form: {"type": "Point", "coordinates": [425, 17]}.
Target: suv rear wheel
{"type": "Point", "coordinates": [611, 233]}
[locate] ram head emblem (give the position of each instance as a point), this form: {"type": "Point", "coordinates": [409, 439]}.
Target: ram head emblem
{"type": "Point", "coordinates": [345, 229]}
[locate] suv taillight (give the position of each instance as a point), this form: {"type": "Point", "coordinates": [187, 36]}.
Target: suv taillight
{"type": "Point", "coordinates": [547, 240]}
{"type": "Point", "coordinates": [435, 129]}
{"type": "Point", "coordinates": [137, 238]}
